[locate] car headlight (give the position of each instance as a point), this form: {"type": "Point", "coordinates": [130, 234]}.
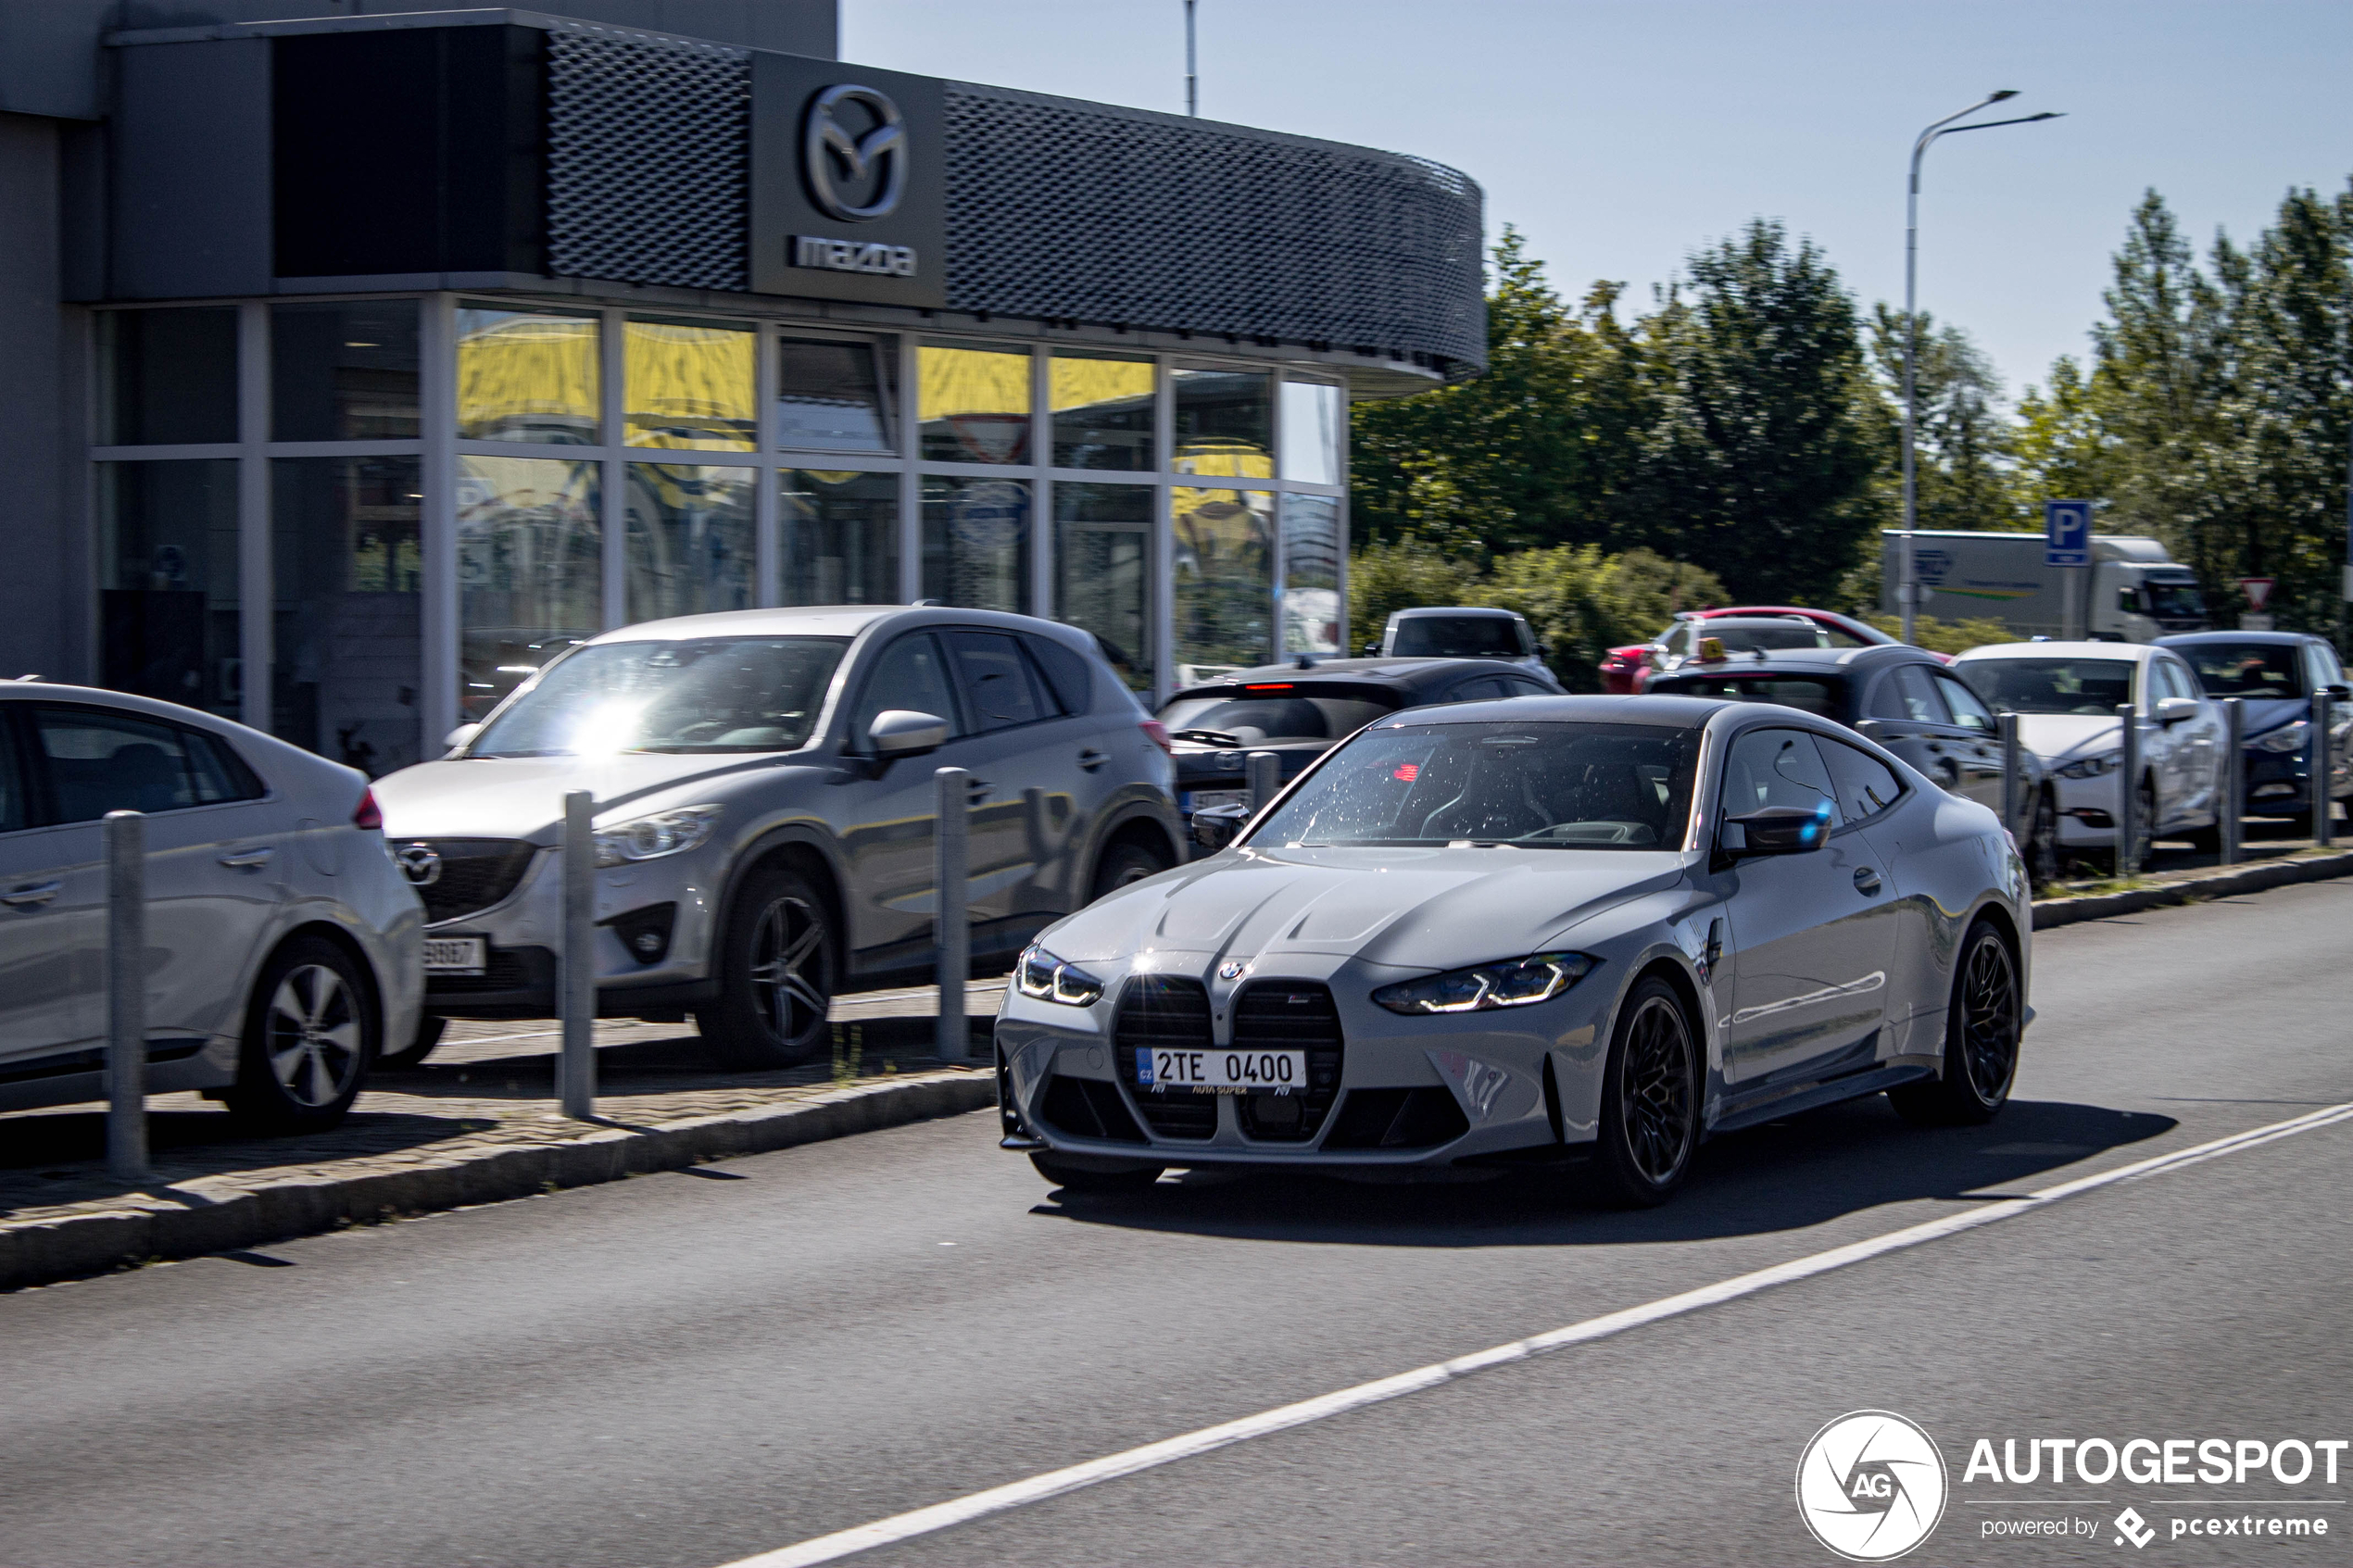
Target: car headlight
{"type": "Point", "coordinates": [651, 837]}
{"type": "Point", "coordinates": [2092, 767]}
{"type": "Point", "coordinates": [1049, 979]}
{"type": "Point", "coordinates": [1513, 983]}
{"type": "Point", "coordinates": [2288, 737]}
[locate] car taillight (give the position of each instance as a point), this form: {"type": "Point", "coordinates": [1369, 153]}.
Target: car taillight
{"type": "Point", "coordinates": [365, 814]}
{"type": "Point", "coordinates": [1159, 732]}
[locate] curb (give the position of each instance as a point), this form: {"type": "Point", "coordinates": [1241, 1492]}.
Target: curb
{"type": "Point", "coordinates": [2050, 912]}
{"type": "Point", "coordinates": [191, 1222]}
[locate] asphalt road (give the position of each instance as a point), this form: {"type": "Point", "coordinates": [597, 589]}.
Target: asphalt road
{"type": "Point", "coordinates": [687, 1368]}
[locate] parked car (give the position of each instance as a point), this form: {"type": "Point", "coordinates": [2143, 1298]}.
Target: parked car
{"type": "Point", "coordinates": [1299, 712]}
{"type": "Point", "coordinates": [1903, 699]}
{"type": "Point", "coordinates": [1624, 669]}
{"type": "Point", "coordinates": [282, 946]}
{"type": "Point", "coordinates": [2066, 696]}
{"type": "Point", "coordinates": [765, 817]}
{"type": "Point", "coordinates": [1522, 932]}
{"type": "Point", "coordinates": [1460, 632]}
{"type": "Point", "coordinates": [2275, 673]}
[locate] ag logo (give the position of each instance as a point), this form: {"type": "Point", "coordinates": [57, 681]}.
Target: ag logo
{"type": "Point", "coordinates": [833, 152]}
{"type": "Point", "coordinates": [421, 864]}
{"type": "Point", "coordinates": [1871, 1485]}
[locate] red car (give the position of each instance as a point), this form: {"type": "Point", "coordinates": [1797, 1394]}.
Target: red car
{"type": "Point", "coordinates": [1624, 669]}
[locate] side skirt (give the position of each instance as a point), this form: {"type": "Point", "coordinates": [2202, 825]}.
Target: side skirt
{"type": "Point", "coordinates": [1806, 1097]}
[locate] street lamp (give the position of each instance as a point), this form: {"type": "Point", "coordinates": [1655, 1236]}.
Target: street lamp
{"type": "Point", "coordinates": [1909, 592]}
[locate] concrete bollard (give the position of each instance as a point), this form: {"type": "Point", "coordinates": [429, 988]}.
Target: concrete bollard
{"type": "Point", "coordinates": [952, 926]}
{"type": "Point", "coordinates": [2233, 807]}
{"type": "Point", "coordinates": [127, 997]}
{"type": "Point", "coordinates": [2128, 792]}
{"type": "Point", "coordinates": [2011, 793]}
{"type": "Point", "coordinates": [2322, 825]}
{"type": "Point", "coordinates": [576, 964]}
{"type": "Point", "coordinates": [1265, 780]}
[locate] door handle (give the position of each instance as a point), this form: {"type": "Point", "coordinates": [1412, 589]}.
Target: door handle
{"type": "Point", "coordinates": [1866, 880]}
{"type": "Point", "coordinates": [1091, 759]}
{"type": "Point", "coordinates": [248, 859]}
{"type": "Point", "coordinates": [31, 896]}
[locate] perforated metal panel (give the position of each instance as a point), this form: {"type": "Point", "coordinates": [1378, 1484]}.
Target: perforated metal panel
{"type": "Point", "coordinates": [649, 159]}
{"type": "Point", "coordinates": [1069, 210]}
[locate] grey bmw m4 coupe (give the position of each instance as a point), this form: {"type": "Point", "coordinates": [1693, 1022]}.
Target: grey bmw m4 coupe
{"type": "Point", "coordinates": [1532, 932]}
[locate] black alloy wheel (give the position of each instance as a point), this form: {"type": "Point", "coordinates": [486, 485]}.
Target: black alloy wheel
{"type": "Point", "coordinates": [1650, 1099]}
{"type": "Point", "coordinates": [778, 969]}
{"type": "Point", "coordinates": [311, 1032]}
{"type": "Point", "coordinates": [1981, 1033]}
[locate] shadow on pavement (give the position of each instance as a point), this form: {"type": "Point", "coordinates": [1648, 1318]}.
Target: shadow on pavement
{"type": "Point", "coordinates": [1785, 1175]}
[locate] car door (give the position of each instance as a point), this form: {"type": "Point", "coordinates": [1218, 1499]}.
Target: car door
{"type": "Point", "coordinates": [1903, 713]}
{"type": "Point", "coordinates": [1974, 742]}
{"type": "Point", "coordinates": [1021, 743]}
{"type": "Point", "coordinates": [214, 882]}
{"type": "Point", "coordinates": [890, 816]}
{"type": "Point", "coordinates": [1812, 934]}
{"type": "Point", "coordinates": [2195, 748]}
{"type": "Point", "coordinates": [50, 941]}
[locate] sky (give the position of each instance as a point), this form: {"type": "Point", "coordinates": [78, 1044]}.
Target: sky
{"type": "Point", "coordinates": [1619, 135]}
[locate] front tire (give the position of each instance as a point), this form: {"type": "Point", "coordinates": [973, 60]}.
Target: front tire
{"type": "Point", "coordinates": [1077, 1179]}
{"type": "Point", "coordinates": [2042, 854]}
{"type": "Point", "coordinates": [778, 960]}
{"type": "Point", "coordinates": [1981, 1028]}
{"type": "Point", "coordinates": [1650, 1099]}
{"type": "Point", "coordinates": [310, 1034]}
{"type": "Point", "coordinates": [1122, 864]}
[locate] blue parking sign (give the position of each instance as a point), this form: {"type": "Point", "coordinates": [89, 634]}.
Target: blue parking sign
{"type": "Point", "coordinates": [2067, 534]}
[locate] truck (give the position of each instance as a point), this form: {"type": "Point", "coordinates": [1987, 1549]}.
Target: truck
{"type": "Point", "coordinates": [2133, 592]}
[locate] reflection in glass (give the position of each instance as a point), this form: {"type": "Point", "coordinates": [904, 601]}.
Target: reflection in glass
{"type": "Point", "coordinates": [166, 377]}
{"type": "Point", "coordinates": [840, 537]}
{"type": "Point", "coordinates": [526, 375]}
{"type": "Point", "coordinates": [688, 383]}
{"type": "Point", "coordinates": [1103, 570]}
{"type": "Point", "coordinates": [1102, 411]}
{"type": "Point", "coordinates": [344, 372]}
{"type": "Point", "coordinates": [1225, 581]}
{"type": "Point", "coordinates": [529, 575]}
{"type": "Point", "coordinates": [693, 697]}
{"type": "Point", "coordinates": [168, 595]}
{"type": "Point", "coordinates": [1311, 575]}
{"type": "Point", "coordinates": [1225, 424]}
{"type": "Point", "coordinates": [689, 539]}
{"type": "Point", "coordinates": [976, 543]}
{"type": "Point", "coordinates": [346, 579]}
{"type": "Point", "coordinates": [1314, 423]}
{"type": "Point", "coordinates": [832, 397]}
{"type": "Point", "coordinates": [975, 405]}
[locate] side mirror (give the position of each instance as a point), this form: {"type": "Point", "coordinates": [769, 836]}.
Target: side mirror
{"type": "Point", "coordinates": [1372, 650]}
{"type": "Point", "coordinates": [460, 735]}
{"type": "Point", "coordinates": [2173, 710]}
{"type": "Point", "coordinates": [1776, 830]}
{"type": "Point", "coordinates": [2337, 690]}
{"type": "Point", "coordinates": [1216, 826]}
{"type": "Point", "coordinates": [902, 732]}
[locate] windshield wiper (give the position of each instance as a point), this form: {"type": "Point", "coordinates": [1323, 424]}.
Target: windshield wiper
{"type": "Point", "coordinates": [1207, 737]}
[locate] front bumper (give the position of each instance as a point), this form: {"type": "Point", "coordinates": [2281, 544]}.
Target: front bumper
{"type": "Point", "coordinates": [2086, 810]}
{"type": "Point", "coordinates": [1414, 1092]}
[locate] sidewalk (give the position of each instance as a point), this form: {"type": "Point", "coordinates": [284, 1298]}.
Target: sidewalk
{"type": "Point", "coordinates": [2270, 858]}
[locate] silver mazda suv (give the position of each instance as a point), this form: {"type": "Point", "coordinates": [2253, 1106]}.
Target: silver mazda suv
{"type": "Point", "coordinates": [764, 813]}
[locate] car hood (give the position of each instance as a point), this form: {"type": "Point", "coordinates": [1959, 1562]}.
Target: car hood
{"type": "Point", "coordinates": [2059, 737]}
{"type": "Point", "coordinates": [1412, 909]}
{"type": "Point", "coordinates": [2267, 713]}
{"type": "Point", "coordinates": [522, 796]}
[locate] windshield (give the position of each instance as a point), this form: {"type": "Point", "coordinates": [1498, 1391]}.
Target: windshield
{"type": "Point", "coordinates": [1457, 636]}
{"type": "Point", "coordinates": [1230, 721]}
{"type": "Point", "coordinates": [2175, 601]}
{"type": "Point", "coordinates": [1825, 694]}
{"type": "Point", "coordinates": [2050, 685]}
{"type": "Point", "coordinates": [2246, 668]}
{"type": "Point", "coordinates": [1541, 787]}
{"type": "Point", "coordinates": [730, 694]}
{"type": "Point", "coordinates": [1737, 638]}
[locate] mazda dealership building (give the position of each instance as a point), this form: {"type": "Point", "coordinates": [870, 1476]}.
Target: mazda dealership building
{"type": "Point", "coordinates": [363, 361]}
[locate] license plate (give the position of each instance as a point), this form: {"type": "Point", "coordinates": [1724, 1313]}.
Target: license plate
{"type": "Point", "coordinates": [1227, 1071]}
{"type": "Point", "coordinates": [1202, 799]}
{"type": "Point", "coordinates": [457, 954]}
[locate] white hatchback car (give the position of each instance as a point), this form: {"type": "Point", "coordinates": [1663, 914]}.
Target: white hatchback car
{"type": "Point", "coordinates": [283, 946]}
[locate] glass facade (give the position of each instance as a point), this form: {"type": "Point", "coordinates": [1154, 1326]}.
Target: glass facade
{"type": "Point", "coordinates": [529, 569]}
{"type": "Point", "coordinates": [1103, 571]}
{"type": "Point", "coordinates": [348, 631]}
{"type": "Point", "coordinates": [839, 537]}
{"type": "Point", "coordinates": [599, 466]}
{"type": "Point", "coordinates": [690, 541]}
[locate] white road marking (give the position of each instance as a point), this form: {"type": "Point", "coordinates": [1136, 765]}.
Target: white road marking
{"type": "Point", "coordinates": [1054, 1483]}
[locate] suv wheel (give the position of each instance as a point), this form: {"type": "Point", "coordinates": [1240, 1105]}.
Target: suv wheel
{"type": "Point", "coordinates": [310, 1036]}
{"type": "Point", "coordinates": [1124, 863]}
{"type": "Point", "coordinates": [778, 958]}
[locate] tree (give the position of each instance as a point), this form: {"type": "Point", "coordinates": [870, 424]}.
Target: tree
{"type": "Point", "coordinates": [1962, 474]}
{"type": "Point", "coordinates": [2062, 448]}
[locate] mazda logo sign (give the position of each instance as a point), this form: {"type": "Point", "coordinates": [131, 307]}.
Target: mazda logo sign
{"type": "Point", "coordinates": [830, 151]}
{"type": "Point", "coordinates": [421, 864]}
